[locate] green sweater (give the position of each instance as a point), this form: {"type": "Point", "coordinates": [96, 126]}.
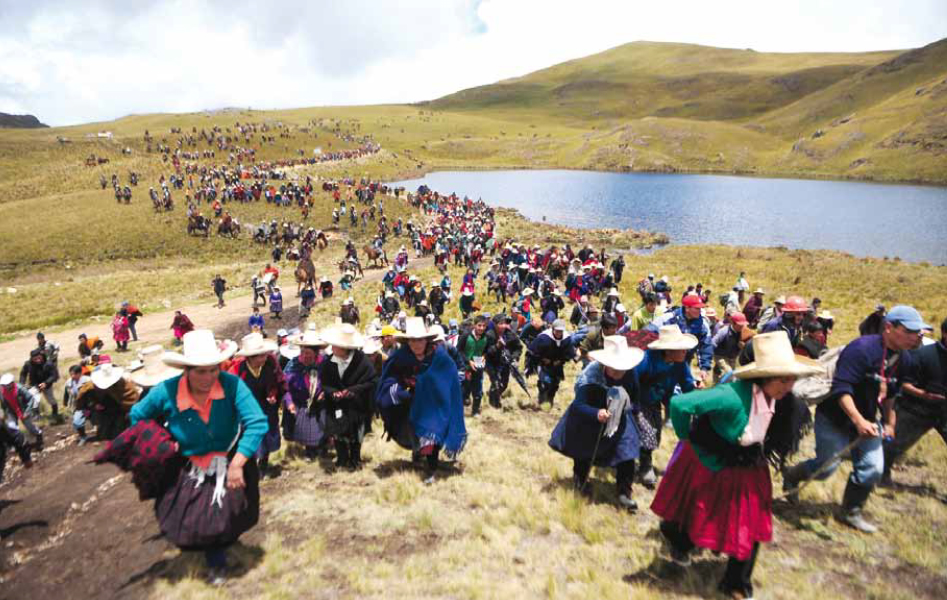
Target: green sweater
{"type": "Point", "coordinates": [728, 407]}
{"type": "Point", "coordinates": [196, 438]}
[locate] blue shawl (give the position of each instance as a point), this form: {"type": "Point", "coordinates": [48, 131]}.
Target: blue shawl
{"type": "Point", "coordinates": [437, 411]}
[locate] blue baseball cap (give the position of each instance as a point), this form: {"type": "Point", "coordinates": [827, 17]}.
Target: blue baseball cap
{"type": "Point", "coordinates": [907, 317]}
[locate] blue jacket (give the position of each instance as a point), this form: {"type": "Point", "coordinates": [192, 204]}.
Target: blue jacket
{"type": "Point", "coordinates": [238, 407]}
{"type": "Point", "coordinates": [577, 431]}
{"type": "Point", "coordinates": [657, 378]}
{"type": "Point", "coordinates": [699, 328]}
{"type": "Point", "coordinates": [544, 348]}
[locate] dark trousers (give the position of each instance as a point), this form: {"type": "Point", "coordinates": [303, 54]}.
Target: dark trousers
{"type": "Point", "coordinates": [624, 475]}
{"type": "Point", "coordinates": [11, 436]}
{"type": "Point", "coordinates": [548, 386]}
{"type": "Point", "coordinates": [473, 388]}
{"type": "Point", "coordinates": [915, 418]}
{"type": "Point", "coordinates": [348, 453]}
{"type": "Point", "coordinates": [738, 574]}
{"type": "Point", "coordinates": [499, 381]}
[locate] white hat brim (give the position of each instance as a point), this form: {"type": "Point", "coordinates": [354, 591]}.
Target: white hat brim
{"type": "Point", "coordinates": [268, 347]}
{"type": "Point", "coordinates": [178, 360]}
{"type": "Point", "coordinates": [801, 367]}
{"type": "Point", "coordinates": [621, 361]}
{"type": "Point", "coordinates": [102, 382]}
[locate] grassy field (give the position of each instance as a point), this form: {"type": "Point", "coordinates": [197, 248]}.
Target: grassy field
{"type": "Point", "coordinates": [504, 523]}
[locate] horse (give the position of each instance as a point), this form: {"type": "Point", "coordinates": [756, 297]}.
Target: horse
{"type": "Point", "coordinates": [197, 225]}
{"type": "Point", "coordinates": [231, 228]}
{"type": "Point", "coordinates": [322, 242]}
{"type": "Point", "coordinates": [305, 273]}
{"type": "Point", "coordinates": [375, 256]}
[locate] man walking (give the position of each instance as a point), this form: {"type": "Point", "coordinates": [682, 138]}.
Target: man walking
{"type": "Point", "coordinates": [868, 374]}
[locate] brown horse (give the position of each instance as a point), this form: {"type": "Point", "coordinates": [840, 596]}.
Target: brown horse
{"type": "Point", "coordinates": [322, 242]}
{"type": "Point", "coordinates": [375, 256]}
{"type": "Point", "coordinates": [305, 273]}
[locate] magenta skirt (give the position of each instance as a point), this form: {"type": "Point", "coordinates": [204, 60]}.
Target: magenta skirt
{"type": "Point", "coordinates": [725, 511]}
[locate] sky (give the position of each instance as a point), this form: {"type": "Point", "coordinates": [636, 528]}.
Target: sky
{"type": "Point", "coordinates": [71, 62]}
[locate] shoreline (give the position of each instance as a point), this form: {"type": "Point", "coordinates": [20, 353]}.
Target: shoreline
{"type": "Point", "coordinates": [660, 239]}
{"type": "Point", "coordinates": [792, 175]}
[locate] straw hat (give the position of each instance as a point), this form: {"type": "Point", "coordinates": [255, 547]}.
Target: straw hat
{"type": "Point", "coordinates": [759, 291]}
{"type": "Point", "coordinates": [670, 337]}
{"type": "Point", "coordinates": [613, 292]}
{"type": "Point", "coordinates": [254, 344]}
{"type": "Point", "coordinates": [467, 292]}
{"type": "Point", "coordinates": [616, 354]}
{"type": "Point", "coordinates": [106, 374]}
{"type": "Point", "coordinates": [290, 351]}
{"type": "Point", "coordinates": [774, 358]}
{"type": "Point", "coordinates": [310, 338]}
{"type": "Point", "coordinates": [154, 371]}
{"type": "Point", "coordinates": [200, 350]}
{"type": "Point", "coordinates": [371, 346]}
{"type": "Point", "coordinates": [416, 329]}
{"type": "Point", "coordinates": [344, 336]}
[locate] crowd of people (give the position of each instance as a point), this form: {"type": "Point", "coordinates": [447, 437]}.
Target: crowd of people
{"type": "Point", "coordinates": [729, 383]}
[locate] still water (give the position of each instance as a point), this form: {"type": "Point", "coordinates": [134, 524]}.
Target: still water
{"type": "Point", "coordinates": [864, 219]}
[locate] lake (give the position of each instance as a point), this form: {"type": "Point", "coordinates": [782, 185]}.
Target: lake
{"type": "Point", "coordinates": [864, 219]}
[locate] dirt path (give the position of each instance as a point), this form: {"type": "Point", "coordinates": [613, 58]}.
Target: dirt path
{"type": "Point", "coordinates": [63, 523]}
{"type": "Point", "coordinates": [155, 328]}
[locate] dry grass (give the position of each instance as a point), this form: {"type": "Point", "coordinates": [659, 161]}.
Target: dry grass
{"type": "Point", "coordinates": [503, 522]}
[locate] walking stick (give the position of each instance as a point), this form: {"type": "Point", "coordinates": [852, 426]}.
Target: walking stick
{"type": "Point", "coordinates": [802, 484]}
{"type": "Point", "coordinates": [601, 431]}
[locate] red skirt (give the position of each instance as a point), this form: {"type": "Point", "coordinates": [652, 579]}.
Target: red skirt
{"type": "Point", "coordinates": [725, 511]}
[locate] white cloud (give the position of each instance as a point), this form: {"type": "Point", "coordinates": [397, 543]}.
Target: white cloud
{"type": "Point", "coordinates": [72, 62]}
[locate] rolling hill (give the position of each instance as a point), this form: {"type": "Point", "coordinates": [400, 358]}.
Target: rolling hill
{"type": "Point", "coordinates": [875, 115]}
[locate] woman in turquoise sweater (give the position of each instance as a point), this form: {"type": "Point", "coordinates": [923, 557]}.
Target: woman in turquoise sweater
{"type": "Point", "coordinates": [717, 492]}
{"type": "Point", "coordinates": [218, 426]}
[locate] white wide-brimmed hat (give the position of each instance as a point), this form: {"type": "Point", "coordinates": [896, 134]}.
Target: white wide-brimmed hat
{"type": "Point", "coordinates": [289, 351]}
{"type": "Point", "coordinates": [309, 338]}
{"type": "Point", "coordinates": [344, 336]}
{"type": "Point", "coordinates": [616, 353]}
{"type": "Point", "coordinates": [254, 344]}
{"type": "Point", "coordinates": [467, 292]}
{"type": "Point", "coordinates": [613, 292]}
{"type": "Point", "coordinates": [105, 375]}
{"type": "Point", "coordinates": [371, 346]}
{"type": "Point", "coordinates": [6, 379]}
{"type": "Point", "coordinates": [670, 337]}
{"type": "Point", "coordinates": [773, 357]}
{"type": "Point", "coordinates": [154, 371]}
{"type": "Point", "coordinates": [201, 349]}
{"type": "Point", "coordinates": [415, 328]}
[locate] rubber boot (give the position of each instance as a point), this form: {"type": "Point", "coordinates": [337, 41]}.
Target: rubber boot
{"type": "Point", "coordinates": [83, 439]}
{"type": "Point", "coordinates": [623, 480]}
{"type": "Point", "coordinates": [495, 398]}
{"type": "Point", "coordinates": [264, 464]}
{"type": "Point", "coordinates": [341, 454]}
{"type": "Point", "coordinates": [475, 407]}
{"type": "Point", "coordinates": [792, 477]}
{"type": "Point", "coordinates": [355, 456]}
{"type": "Point", "coordinates": [852, 503]}
{"type": "Point", "coordinates": [38, 445]}
{"type": "Point", "coordinates": [646, 474]}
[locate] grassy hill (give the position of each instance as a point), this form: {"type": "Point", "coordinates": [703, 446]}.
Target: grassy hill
{"type": "Point", "coordinates": [892, 106]}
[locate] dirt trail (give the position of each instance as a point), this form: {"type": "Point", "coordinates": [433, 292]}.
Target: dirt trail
{"type": "Point", "coordinates": [71, 529]}
{"type": "Point", "coordinates": [155, 328]}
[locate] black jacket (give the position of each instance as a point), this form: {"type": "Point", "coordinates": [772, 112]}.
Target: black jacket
{"type": "Point", "coordinates": [494, 349]}
{"type": "Point", "coordinates": [342, 415]}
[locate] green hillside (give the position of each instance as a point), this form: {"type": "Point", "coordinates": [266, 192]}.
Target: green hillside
{"type": "Point", "coordinates": [665, 80]}
{"type": "Point", "coordinates": [679, 107]}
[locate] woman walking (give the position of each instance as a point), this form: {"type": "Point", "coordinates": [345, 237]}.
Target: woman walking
{"type": "Point", "coordinates": [218, 427]}
{"type": "Point", "coordinates": [717, 492]}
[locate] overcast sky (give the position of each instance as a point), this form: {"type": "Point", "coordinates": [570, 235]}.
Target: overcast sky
{"type": "Point", "coordinates": [73, 62]}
